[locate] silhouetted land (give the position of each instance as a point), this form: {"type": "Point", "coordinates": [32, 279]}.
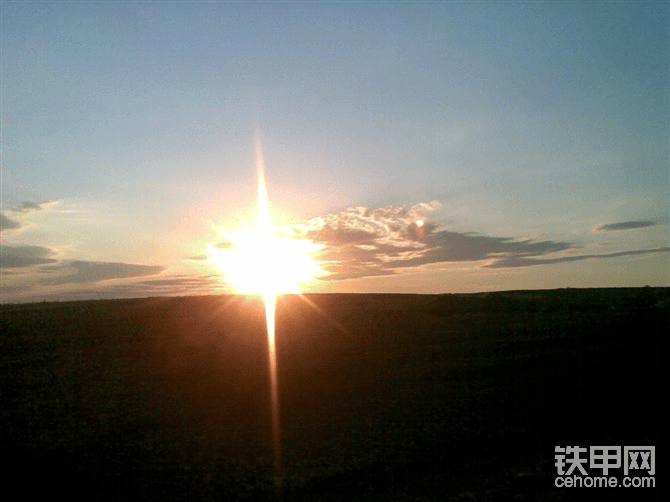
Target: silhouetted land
{"type": "Point", "coordinates": [385, 397]}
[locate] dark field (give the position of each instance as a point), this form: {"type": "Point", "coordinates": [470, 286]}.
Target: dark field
{"type": "Point", "coordinates": [385, 397]}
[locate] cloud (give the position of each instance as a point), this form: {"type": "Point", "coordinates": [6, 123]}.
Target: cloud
{"type": "Point", "coordinates": [24, 256]}
{"type": "Point", "coordinates": [409, 250]}
{"type": "Point", "coordinates": [363, 243]}
{"type": "Point", "coordinates": [29, 207]}
{"type": "Point", "coordinates": [625, 225]}
{"type": "Point", "coordinates": [224, 244]}
{"type": "Point", "coordinates": [447, 246]}
{"type": "Point", "coordinates": [360, 223]}
{"type": "Point", "coordinates": [339, 236]}
{"type": "Point", "coordinates": [175, 285]}
{"type": "Point", "coordinates": [7, 224]}
{"type": "Point", "coordinates": [87, 272]}
{"type": "Point", "coordinates": [179, 280]}
{"type": "Point", "coordinates": [524, 262]}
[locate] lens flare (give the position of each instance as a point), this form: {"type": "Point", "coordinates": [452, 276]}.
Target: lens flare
{"type": "Point", "coordinates": [264, 229]}
{"type": "Point", "coordinates": [257, 261]}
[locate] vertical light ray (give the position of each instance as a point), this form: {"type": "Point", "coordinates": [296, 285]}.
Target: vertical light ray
{"type": "Point", "coordinates": [264, 224]}
{"type": "Point", "coordinates": [270, 303]}
{"type": "Point", "coordinates": [264, 227]}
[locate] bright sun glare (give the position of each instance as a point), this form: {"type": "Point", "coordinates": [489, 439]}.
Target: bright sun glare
{"type": "Point", "coordinates": [262, 262]}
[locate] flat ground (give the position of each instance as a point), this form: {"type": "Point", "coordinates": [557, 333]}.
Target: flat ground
{"type": "Point", "coordinates": [382, 397]}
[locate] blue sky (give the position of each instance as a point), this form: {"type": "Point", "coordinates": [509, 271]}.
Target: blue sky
{"type": "Point", "coordinates": [532, 137]}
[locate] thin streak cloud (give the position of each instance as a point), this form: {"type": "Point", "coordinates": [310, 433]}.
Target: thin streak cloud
{"type": "Point", "coordinates": [527, 262]}
{"type": "Point", "coordinates": [625, 225]}
{"type": "Point", "coordinates": [87, 272]}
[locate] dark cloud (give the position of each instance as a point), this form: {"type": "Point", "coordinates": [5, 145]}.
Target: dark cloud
{"type": "Point", "coordinates": [378, 257]}
{"type": "Point", "coordinates": [7, 224]}
{"type": "Point", "coordinates": [24, 256]}
{"type": "Point", "coordinates": [341, 271]}
{"type": "Point", "coordinates": [28, 207]}
{"type": "Point", "coordinates": [12, 290]}
{"type": "Point", "coordinates": [625, 225]}
{"type": "Point", "coordinates": [25, 207]}
{"type": "Point", "coordinates": [339, 236]}
{"type": "Point", "coordinates": [83, 272]}
{"type": "Point", "coordinates": [447, 246]}
{"type": "Point", "coordinates": [179, 280]}
{"type": "Point", "coordinates": [224, 245]}
{"type": "Point", "coordinates": [179, 285]}
{"type": "Point", "coordinates": [201, 257]}
{"type": "Point", "coordinates": [176, 285]}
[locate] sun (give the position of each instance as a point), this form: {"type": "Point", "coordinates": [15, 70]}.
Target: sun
{"type": "Point", "coordinates": [260, 261]}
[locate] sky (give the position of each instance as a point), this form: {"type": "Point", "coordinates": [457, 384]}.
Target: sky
{"type": "Point", "coordinates": [423, 147]}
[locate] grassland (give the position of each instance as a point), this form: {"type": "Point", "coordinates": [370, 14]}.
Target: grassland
{"type": "Point", "coordinates": [382, 397]}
